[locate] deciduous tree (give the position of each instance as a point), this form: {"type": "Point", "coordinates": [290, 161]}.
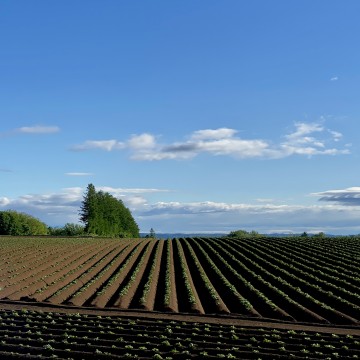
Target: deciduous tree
{"type": "Point", "coordinates": [16, 223]}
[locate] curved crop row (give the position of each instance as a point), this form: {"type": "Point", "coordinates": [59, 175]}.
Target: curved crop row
{"type": "Point", "coordinates": [262, 277]}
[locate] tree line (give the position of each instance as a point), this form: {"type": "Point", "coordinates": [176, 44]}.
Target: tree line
{"type": "Point", "coordinates": [101, 214]}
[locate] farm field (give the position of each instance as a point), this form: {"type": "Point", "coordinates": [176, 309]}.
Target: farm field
{"type": "Point", "coordinates": [266, 297]}
{"type": "Point", "coordinates": [37, 334]}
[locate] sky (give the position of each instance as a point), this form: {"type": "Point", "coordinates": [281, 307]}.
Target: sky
{"type": "Point", "coordinates": [201, 116]}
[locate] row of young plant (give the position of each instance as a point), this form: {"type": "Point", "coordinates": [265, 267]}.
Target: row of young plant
{"type": "Point", "coordinates": [263, 281]}
{"type": "Point", "coordinates": [326, 256]}
{"type": "Point", "coordinates": [152, 277]}
{"type": "Point", "coordinates": [323, 272]}
{"type": "Point", "coordinates": [257, 278]}
{"type": "Point", "coordinates": [75, 274]}
{"type": "Point", "coordinates": [299, 279]}
{"type": "Point", "coordinates": [18, 267]}
{"type": "Point", "coordinates": [339, 249]}
{"type": "Point", "coordinates": [96, 280]}
{"type": "Point", "coordinates": [74, 336]}
{"type": "Point", "coordinates": [80, 262]}
{"type": "Point", "coordinates": [337, 285]}
{"type": "Point", "coordinates": [41, 253]}
{"type": "Point", "coordinates": [109, 288]}
{"type": "Point", "coordinates": [168, 278]}
{"type": "Point", "coordinates": [321, 264]}
{"type": "Point", "coordinates": [243, 279]}
{"type": "Point", "coordinates": [346, 262]}
{"type": "Point", "coordinates": [30, 279]}
{"type": "Point", "coordinates": [36, 276]}
{"type": "Point", "coordinates": [74, 271]}
{"type": "Point", "coordinates": [12, 260]}
{"type": "Point", "coordinates": [185, 276]}
{"type": "Point", "coordinates": [72, 321]}
{"type": "Point", "coordinates": [124, 300]}
{"type": "Point", "coordinates": [238, 303]}
{"type": "Point", "coordinates": [31, 247]}
{"type": "Point", "coordinates": [305, 299]}
{"type": "Point", "coordinates": [206, 288]}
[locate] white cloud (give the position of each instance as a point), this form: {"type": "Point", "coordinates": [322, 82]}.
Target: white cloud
{"type": "Point", "coordinates": [236, 147]}
{"type": "Point", "coordinates": [120, 191]}
{"type": "Point", "coordinates": [269, 201]}
{"type": "Point", "coordinates": [303, 129]}
{"type": "Point", "coordinates": [38, 129]}
{"type": "Point", "coordinates": [78, 174]}
{"type": "Point", "coordinates": [210, 134]}
{"type": "Point", "coordinates": [143, 141]}
{"type": "Point", "coordinates": [334, 78]}
{"type": "Point", "coordinates": [342, 217]}
{"type": "Point", "coordinates": [349, 196]}
{"type": "Point", "coordinates": [223, 217]}
{"type": "Point", "coordinates": [4, 201]}
{"type": "Point", "coordinates": [61, 207]}
{"type": "Point", "coordinates": [300, 143]}
{"type": "Point", "coordinates": [336, 135]}
{"type": "Point", "coordinates": [107, 145]}
{"type": "Point", "coordinates": [308, 139]}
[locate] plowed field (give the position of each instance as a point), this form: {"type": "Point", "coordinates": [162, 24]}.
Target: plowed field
{"type": "Point", "coordinates": [274, 282]}
{"type": "Point", "coordinates": [303, 280]}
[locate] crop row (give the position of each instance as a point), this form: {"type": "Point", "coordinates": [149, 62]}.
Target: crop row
{"type": "Point", "coordinates": [27, 333]}
{"type": "Point", "coordinates": [262, 277]}
{"type": "Point", "coordinates": [286, 286]}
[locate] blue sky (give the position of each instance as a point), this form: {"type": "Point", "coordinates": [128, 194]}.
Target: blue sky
{"type": "Point", "coordinates": [200, 115]}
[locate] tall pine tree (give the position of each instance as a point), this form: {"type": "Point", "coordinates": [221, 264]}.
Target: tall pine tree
{"type": "Point", "coordinates": [89, 210]}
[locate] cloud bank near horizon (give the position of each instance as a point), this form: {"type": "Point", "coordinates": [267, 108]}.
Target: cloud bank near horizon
{"type": "Point", "coordinates": [56, 209]}
{"type": "Point", "coordinates": [347, 197]}
{"type": "Point", "coordinates": [307, 139]}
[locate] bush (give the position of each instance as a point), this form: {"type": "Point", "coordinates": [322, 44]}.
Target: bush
{"type": "Point", "coordinates": [70, 229]}
{"type": "Point", "coordinates": [15, 223]}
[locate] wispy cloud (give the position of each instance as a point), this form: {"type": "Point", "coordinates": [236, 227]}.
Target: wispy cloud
{"type": "Point", "coordinates": [31, 130]}
{"type": "Point", "coordinates": [222, 133]}
{"type": "Point", "coordinates": [4, 201]}
{"type": "Point", "coordinates": [300, 142]}
{"type": "Point", "coordinates": [336, 135]}
{"type": "Point", "coordinates": [61, 207]}
{"type": "Point", "coordinates": [79, 174]}
{"type": "Point", "coordinates": [38, 129]}
{"type": "Point", "coordinates": [174, 216]}
{"type": "Point", "coordinates": [213, 216]}
{"type": "Point", "coordinates": [348, 196]}
{"type": "Point", "coordinates": [334, 78]}
{"type": "Point", "coordinates": [142, 142]}
{"type": "Point", "coordinates": [120, 191]}
{"type": "Point", "coordinates": [107, 145]}
{"type": "Point", "coordinates": [268, 201]}
{"type": "Point", "coordinates": [307, 139]}
{"type": "Point", "coordinates": [6, 170]}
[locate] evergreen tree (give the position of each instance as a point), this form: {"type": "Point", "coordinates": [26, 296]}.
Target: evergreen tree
{"type": "Point", "coordinates": [88, 210]}
{"type": "Point", "coordinates": [105, 215]}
